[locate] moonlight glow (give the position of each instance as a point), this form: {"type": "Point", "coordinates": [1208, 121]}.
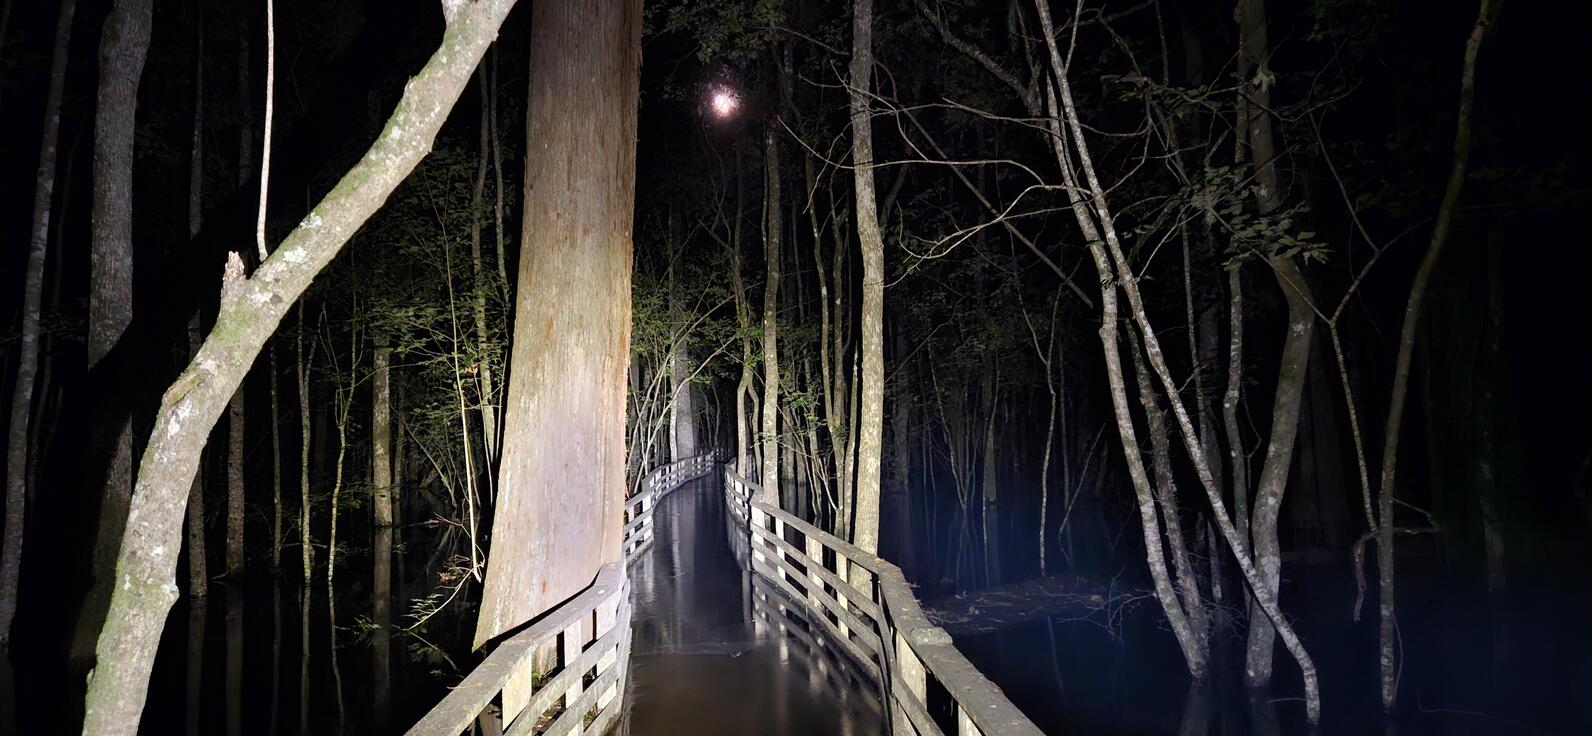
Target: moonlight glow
{"type": "Point", "coordinates": [724, 103]}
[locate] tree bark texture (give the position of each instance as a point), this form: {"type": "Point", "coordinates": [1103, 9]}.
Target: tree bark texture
{"type": "Point", "coordinates": [124, 43]}
{"type": "Point", "coordinates": [562, 474]}
{"type": "Point", "coordinates": [870, 429]}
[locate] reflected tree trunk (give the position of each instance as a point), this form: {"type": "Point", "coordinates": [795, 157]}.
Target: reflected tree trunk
{"type": "Point", "coordinates": [381, 554]}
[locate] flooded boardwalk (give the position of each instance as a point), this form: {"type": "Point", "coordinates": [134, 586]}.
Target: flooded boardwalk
{"type": "Point", "coordinates": [704, 657]}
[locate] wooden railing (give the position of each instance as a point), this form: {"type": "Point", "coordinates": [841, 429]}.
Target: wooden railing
{"type": "Point", "coordinates": [863, 605]}
{"type": "Point", "coordinates": [564, 673]}
{"type": "Point", "coordinates": [660, 482]}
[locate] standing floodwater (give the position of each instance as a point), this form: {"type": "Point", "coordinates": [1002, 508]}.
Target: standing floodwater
{"type": "Point", "coordinates": [702, 662]}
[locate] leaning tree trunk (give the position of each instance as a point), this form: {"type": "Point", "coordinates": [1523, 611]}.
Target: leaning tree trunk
{"type": "Point", "coordinates": [562, 477]}
{"type": "Point", "coordinates": [28, 350]}
{"type": "Point", "coordinates": [123, 45]}
{"type": "Point", "coordinates": [250, 309]}
{"type": "Point", "coordinates": [870, 429]}
{"type": "Point", "coordinates": [769, 492]}
{"type": "Point", "coordinates": [1388, 627]}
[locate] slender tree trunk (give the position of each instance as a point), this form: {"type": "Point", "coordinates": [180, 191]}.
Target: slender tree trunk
{"type": "Point", "coordinates": [771, 256]}
{"type": "Point", "coordinates": [743, 387]}
{"type": "Point", "coordinates": [345, 403]}
{"type": "Point", "coordinates": [483, 360]}
{"type": "Point", "coordinates": [306, 547]}
{"type": "Point", "coordinates": [870, 430]}
{"type": "Point", "coordinates": [124, 43]}
{"type": "Point", "coordinates": [1237, 456]}
{"type": "Point", "coordinates": [1387, 620]}
{"type": "Point", "coordinates": [28, 352]}
{"type": "Point", "coordinates": [381, 555]}
{"type": "Point", "coordinates": [250, 309]}
{"type": "Point", "coordinates": [1166, 498]}
{"type": "Point", "coordinates": [1295, 361]}
{"type": "Point", "coordinates": [562, 474]}
{"type": "Point", "coordinates": [198, 573]}
{"type": "Point", "coordinates": [276, 545]}
{"type": "Point", "coordinates": [990, 484]}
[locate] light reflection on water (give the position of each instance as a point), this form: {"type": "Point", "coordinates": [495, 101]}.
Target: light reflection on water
{"type": "Point", "coordinates": [708, 655]}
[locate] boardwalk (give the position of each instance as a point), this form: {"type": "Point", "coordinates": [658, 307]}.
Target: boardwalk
{"type": "Point", "coordinates": [704, 660]}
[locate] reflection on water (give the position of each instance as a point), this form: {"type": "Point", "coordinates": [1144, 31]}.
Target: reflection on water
{"type": "Point", "coordinates": [709, 655]}
{"type": "Point", "coordinates": [1076, 677]}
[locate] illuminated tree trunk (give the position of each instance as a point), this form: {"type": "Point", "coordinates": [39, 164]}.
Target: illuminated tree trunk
{"type": "Point", "coordinates": [250, 309]}
{"type": "Point", "coordinates": [870, 429]}
{"type": "Point", "coordinates": [769, 493]}
{"type": "Point", "coordinates": [743, 317]}
{"type": "Point", "coordinates": [1295, 360]}
{"type": "Point", "coordinates": [562, 473]}
{"type": "Point", "coordinates": [489, 428]}
{"type": "Point", "coordinates": [381, 554]}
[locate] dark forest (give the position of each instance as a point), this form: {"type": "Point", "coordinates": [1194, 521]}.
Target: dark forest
{"type": "Point", "coordinates": [794, 366]}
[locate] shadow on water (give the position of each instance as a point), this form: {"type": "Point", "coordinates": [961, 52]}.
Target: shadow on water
{"type": "Point", "coordinates": [710, 657]}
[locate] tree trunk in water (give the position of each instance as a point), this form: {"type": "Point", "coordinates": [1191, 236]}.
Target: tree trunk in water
{"type": "Point", "coordinates": [1106, 248]}
{"type": "Point", "coordinates": [1291, 373]}
{"type": "Point", "coordinates": [251, 307]}
{"type": "Point", "coordinates": [743, 318]}
{"type": "Point", "coordinates": [1387, 624]}
{"type": "Point", "coordinates": [28, 352]}
{"type": "Point", "coordinates": [870, 429]}
{"type": "Point", "coordinates": [990, 484]}
{"type": "Point", "coordinates": [124, 43]}
{"type": "Point", "coordinates": [306, 548]}
{"type": "Point", "coordinates": [1295, 361]}
{"type": "Point", "coordinates": [562, 473]}
{"type": "Point", "coordinates": [1166, 498]}
{"type": "Point", "coordinates": [1236, 454]}
{"type": "Point", "coordinates": [769, 492]}
{"type": "Point", "coordinates": [381, 555]}
{"type": "Point", "coordinates": [682, 407]}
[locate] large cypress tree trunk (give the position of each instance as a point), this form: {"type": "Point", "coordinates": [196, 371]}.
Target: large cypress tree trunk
{"type": "Point", "coordinates": [250, 310]}
{"type": "Point", "coordinates": [870, 429]}
{"type": "Point", "coordinates": [123, 45]}
{"type": "Point", "coordinates": [562, 473]}
{"type": "Point", "coordinates": [28, 350]}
